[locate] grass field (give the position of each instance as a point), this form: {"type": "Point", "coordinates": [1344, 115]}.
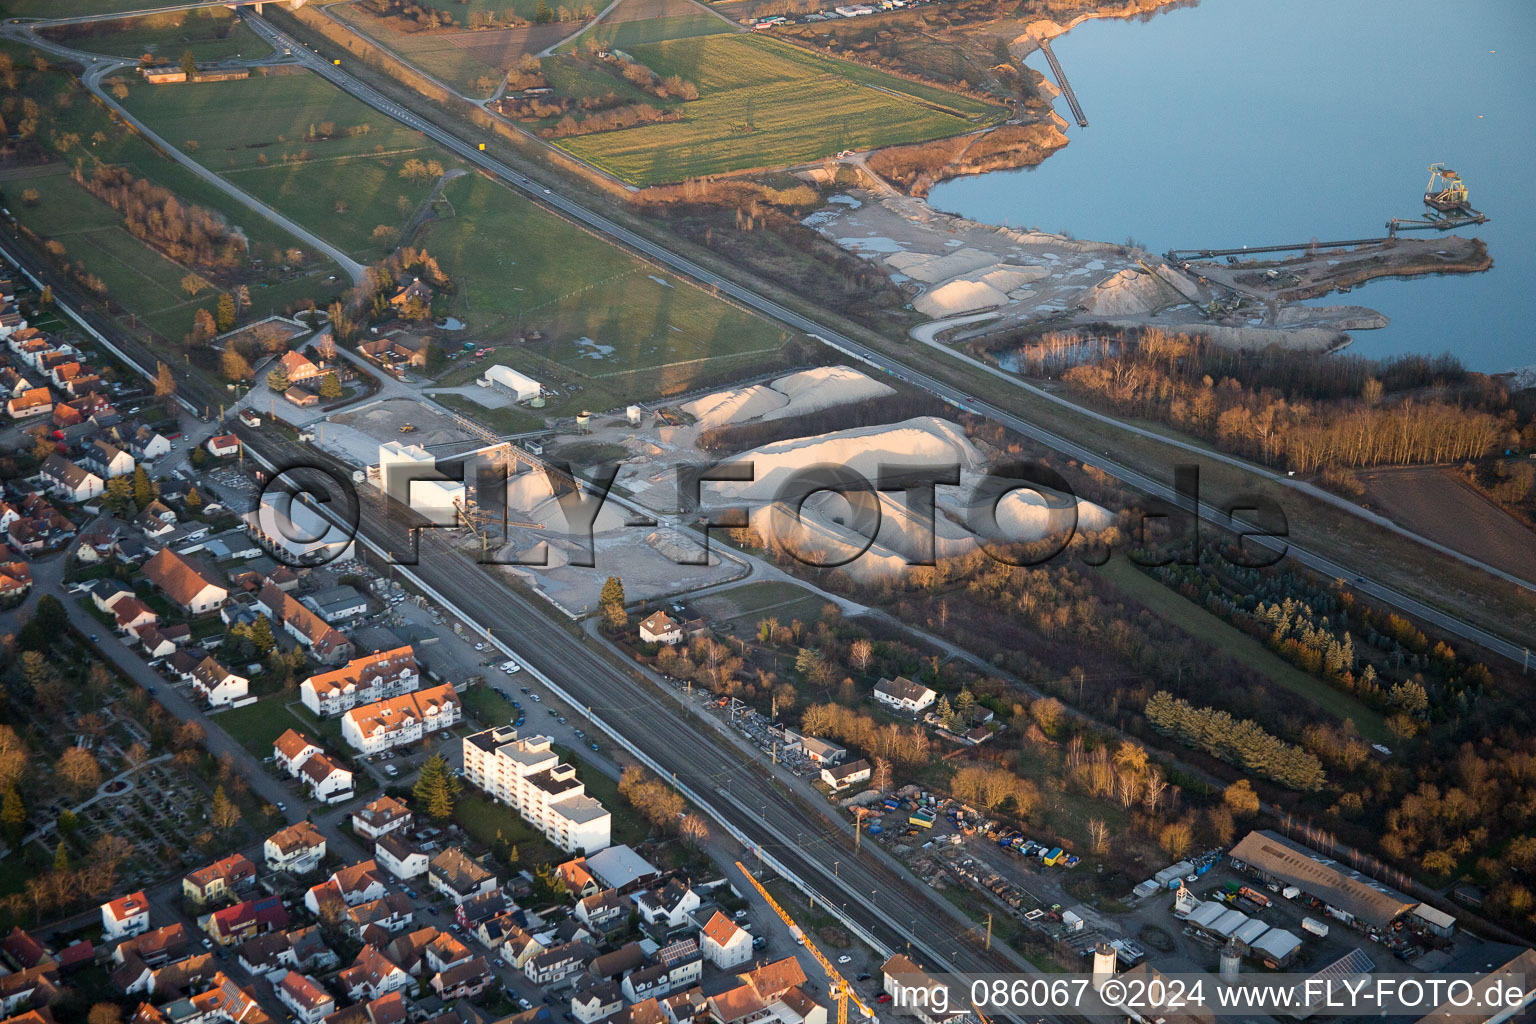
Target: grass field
{"type": "Point", "coordinates": [625, 34]}
{"type": "Point", "coordinates": [331, 163]}
{"type": "Point", "coordinates": [256, 725]}
{"type": "Point", "coordinates": [1174, 608]}
{"type": "Point", "coordinates": [211, 33]}
{"type": "Point", "coordinates": [76, 8]}
{"type": "Point", "coordinates": [764, 103]}
{"type": "Point", "coordinates": [603, 312]}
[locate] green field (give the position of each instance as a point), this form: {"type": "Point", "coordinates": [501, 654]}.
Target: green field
{"type": "Point", "coordinates": [625, 34]}
{"type": "Point", "coordinates": [76, 8]}
{"type": "Point", "coordinates": [1173, 607]}
{"type": "Point", "coordinates": [764, 103]}
{"type": "Point", "coordinates": [462, 60]}
{"type": "Point", "coordinates": [604, 313]}
{"type": "Point", "coordinates": [256, 725]}
{"type": "Point", "coordinates": [211, 33]}
{"type": "Point", "coordinates": [331, 163]}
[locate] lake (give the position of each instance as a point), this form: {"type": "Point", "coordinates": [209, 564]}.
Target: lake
{"type": "Point", "coordinates": [1244, 123]}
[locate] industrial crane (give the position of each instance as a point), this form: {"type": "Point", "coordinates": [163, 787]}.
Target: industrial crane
{"type": "Point", "coordinates": [840, 990]}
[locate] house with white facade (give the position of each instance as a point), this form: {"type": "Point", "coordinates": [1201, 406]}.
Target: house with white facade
{"type": "Point", "coordinates": [297, 849]}
{"type": "Point", "coordinates": [723, 943]}
{"type": "Point", "coordinates": [365, 680]}
{"type": "Point", "coordinates": [378, 727]}
{"type": "Point", "coordinates": [902, 694]}
{"type": "Point", "coordinates": [218, 686]}
{"type": "Point", "coordinates": [125, 916]}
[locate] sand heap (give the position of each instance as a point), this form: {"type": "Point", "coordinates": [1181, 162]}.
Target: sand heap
{"type": "Point", "coordinates": [1128, 293]}
{"type": "Point", "coordinates": [964, 280]}
{"type": "Point", "coordinates": [792, 395]}
{"type": "Point", "coordinates": [829, 527]}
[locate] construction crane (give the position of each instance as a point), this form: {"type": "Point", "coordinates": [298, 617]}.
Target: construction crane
{"type": "Point", "coordinates": [1446, 191]}
{"type": "Point", "coordinates": [481, 521]}
{"type": "Point", "coordinates": [840, 990]}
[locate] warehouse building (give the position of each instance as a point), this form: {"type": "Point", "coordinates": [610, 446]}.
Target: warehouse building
{"type": "Point", "coordinates": [1347, 894]}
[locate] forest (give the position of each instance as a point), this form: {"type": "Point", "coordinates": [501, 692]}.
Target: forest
{"type": "Point", "coordinates": [1291, 409]}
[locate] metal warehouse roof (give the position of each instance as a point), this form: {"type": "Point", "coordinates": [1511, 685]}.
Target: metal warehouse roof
{"type": "Point", "coordinates": [1206, 914]}
{"type": "Point", "coordinates": [1229, 922]}
{"type": "Point", "coordinates": [1363, 898]}
{"type": "Point", "coordinates": [1249, 931]}
{"type": "Point", "coordinates": [1278, 943]}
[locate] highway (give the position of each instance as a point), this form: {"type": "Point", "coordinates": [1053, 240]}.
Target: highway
{"type": "Point", "coordinates": [855, 350]}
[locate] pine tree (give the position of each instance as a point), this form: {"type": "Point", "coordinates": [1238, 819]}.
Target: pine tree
{"type": "Point", "coordinates": [194, 500]}
{"type": "Point", "coordinates": [226, 313]}
{"type": "Point", "coordinates": [278, 380]}
{"type": "Point", "coordinates": [13, 815]}
{"type": "Point", "coordinates": [435, 789]}
{"type": "Point", "coordinates": [330, 387]}
{"type": "Point", "coordinates": [165, 382]}
{"type": "Point", "coordinates": [145, 490]}
{"type": "Point", "coordinates": [261, 634]}
{"type": "Point", "coordinates": [60, 858]}
{"type": "Point", "coordinates": [189, 64]}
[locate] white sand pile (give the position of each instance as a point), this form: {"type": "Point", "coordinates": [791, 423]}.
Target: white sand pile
{"type": "Point", "coordinates": [824, 387]}
{"type": "Point", "coordinates": [676, 548]}
{"type": "Point", "coordinates": [792, 395]}
{"type": "Point", "coordinates": [735, 405]}
{"type": "Point", "coordinates": [959, 296]}
{"type": "Point", "coordinates": [1131, 292]}
{"type": "Point", "coordinates": [935, 267]}
{"type": "Point", "coordinates": [1008, 276]}
{"type": "Point", "coordinates": [829, 528]}
{"type": "Point", "coordinates": [530, 499]}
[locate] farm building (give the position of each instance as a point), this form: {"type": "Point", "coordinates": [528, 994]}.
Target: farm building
{"type": "Point", "coordinates": [522, 387]}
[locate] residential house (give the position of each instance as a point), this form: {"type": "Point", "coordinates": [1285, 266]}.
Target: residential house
{"type": "Point", "coordinates": [454, 875]}
{"type": "Point", "coordinates": [595, 1000]}
{"type": "Point", "coordinates": [297, 849]}
{"type": "Point", "coordinates": [292, 749]}
{"type": "Point", "coordinates": [398, 346]}
{"type": "Point", "coordinates": [529, 776]}
{"type": "Point", "coordinates": [29, 403]}
{"type": "Point", "coordinates": [37, 986]}
{"type": "Point", "coordinates": [386, 814]}
{"type": "Point", "coordinates": [462, 981]}
{"type": "Point", "coordinates": [243, 920]}
{"type": "Point", "coordinates": [400, 857]}
{"type": "Point", "coordinates": [183, 583]}
{"type": "Point", "coordinates": [305, 999]}
{"type": "Point", "coordinates": [842, 776]}
{"type": "Point", "coordinates": [660, 628]}
{"type": "Point", "coordinates": [337, 604]}
{"type": "Point", "coordinates": [223, 445]}
{"type": "Point", "coordinates": [555, 965]}
{"type": "Point", "coordinates": [416, 292]}
{"type": "Point", "coordinates": [481, 907]}
{"type": "Point", "coordinates": [107, 460]}
{"type": "Point", "coordinates": [355, 884]}
{"type": "Point", "coordinates": [519, 947]}
{"type": "Point", "coordinates": [373, 975]}
{"type": "Point", "coordinates": [902, 694]}
{"type": "Point", "coordinates": [326, 643]}
{"type": "Point", "coordinates": [671, 975]}
{"type": "Point", "coordinates": [668, 906]}
{"type": "Point", "coordinates": [602, 911]}
{"type": "Point", "coordinates": [723, 943]}
{"type": "Point", "coordinates": [157, 642]}
{"type": "Point", "coordinates": [494, 931]}
{"type": "Point", "coordinates": [444, 952]}
{"type": "Point", "coordinates": [298, 368]}
{"type": "Point", "coordinates": [326, 780]}
{"type": "Point", "coordinates": [365, 680]}
{"type": "Point", "coordinates": [219, 880]}
{"type": "Point", "coordinates": [686, 1007]}
{"type": "Point", "coordinates": [130, 615]}
{"type": "Point", "coordinates": [391, 913]}
{"type": "Point", "coordinates": [578, 880]}
{"type": "Point", "coordinates": [69, 481]}
{"type": "Point", "coordinates": [218, 686]}
{"type": "Point", "coordinates": [397, 721]}
{"type": "Point", "coordinates": [274, 954]}
{"type": "Point", "coordinates": [613, 965]}
{"type": "Point", "coordinates": [125, 916]}
{"type": "Point", "coordinates": [621, 868]}
{"type": "Point", "coordinates": [149, 444]}
{"type": "Point", "coordinates": [15, 580]}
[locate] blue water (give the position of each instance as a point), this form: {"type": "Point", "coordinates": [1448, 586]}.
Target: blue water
{"type": "Point", "coordinates": [1241, 122]}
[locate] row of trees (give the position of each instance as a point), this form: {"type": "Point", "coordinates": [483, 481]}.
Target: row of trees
{"type": "Point", "coordinates": [900, 744]}
{"type": "Point", "coordinates": [186, 234]}
{"type": "Point", "coordinates": [612, 119]}
{"type": "Point", "coordinates": [1243, 743]}
{"type": "Point", "coordinates": [662, 806]}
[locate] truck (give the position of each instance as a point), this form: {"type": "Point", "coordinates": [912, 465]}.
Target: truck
{"type": "Point", "coordinates": [1254, 895]}
{"type": "Point", "coordinates": [1312, 926]}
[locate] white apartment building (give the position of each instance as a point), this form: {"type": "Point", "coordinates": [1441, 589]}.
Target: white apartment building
{"type": "Point", "coordinates": [364, 680]}
{"type": "Point", "coordinates": [377, 727]}
{"type": "Point", "coordinates": [527, 775]}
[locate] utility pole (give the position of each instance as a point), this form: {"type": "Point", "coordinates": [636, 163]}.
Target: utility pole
{"type": "Point", "coordinates": [989, 929]}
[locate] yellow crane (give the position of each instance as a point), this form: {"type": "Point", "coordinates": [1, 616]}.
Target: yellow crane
{"type": "Point", "coordinates": [841, 991]}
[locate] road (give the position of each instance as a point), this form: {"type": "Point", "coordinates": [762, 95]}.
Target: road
{"type": "Point", "coordinates": [953, 396]}
{"type": "Point", "coordinates": [97, 67]}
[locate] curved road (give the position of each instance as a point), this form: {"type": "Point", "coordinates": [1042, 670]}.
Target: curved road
{"type": "Point", "coordinates": [855, 350]}
{"type": "Point", "coordinates": [97, 67]}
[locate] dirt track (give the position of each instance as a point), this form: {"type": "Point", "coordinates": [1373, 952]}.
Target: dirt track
{"type": "Point", "coordinates": [1432, 500]}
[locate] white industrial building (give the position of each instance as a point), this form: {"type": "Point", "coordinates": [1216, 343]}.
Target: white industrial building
{"type": "Point", "coordinates": [405, 474]}
{"type": "Point", "coordinates": [296, 530]}
{"type": "Point", "coordinates": [521, 386]}
{"type": "Point", "coordinates": [528, 776]}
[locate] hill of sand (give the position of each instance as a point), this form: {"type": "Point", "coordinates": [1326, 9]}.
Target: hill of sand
{"type": "Point", "coordinates": [791, 395]}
